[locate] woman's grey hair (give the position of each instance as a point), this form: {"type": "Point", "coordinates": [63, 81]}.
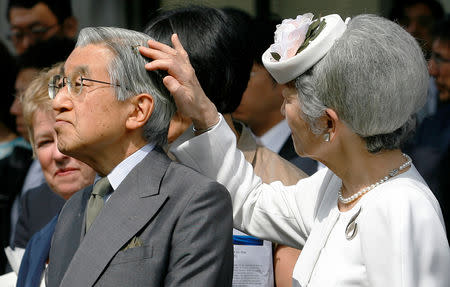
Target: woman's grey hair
{"type": "Point", "coordinates": [375, 77]}
{"type": "Point", "coordinates": [127, 70]}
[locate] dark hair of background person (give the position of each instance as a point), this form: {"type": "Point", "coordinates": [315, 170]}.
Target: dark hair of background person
{"type": "Point", "coordinates": [61, 8]}
{"type": "Point", "coordinates": [8, 79]}
{"type": "Point", "coordinates": [218, 45]}
{"type": "Point", "coordinates": [45, 54]}
{"type": "Point", "coordinates": [441, 30]}
{"type": "Point", "coordinates": [263, 34]}
{"type": "Point", "coordinates": [398, 8]}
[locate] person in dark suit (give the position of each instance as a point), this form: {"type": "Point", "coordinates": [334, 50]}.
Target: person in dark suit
{"type": "Point", "coordinates": [36, 255]}
{"type": "Point", "coordinates": [38, 206]}
{"type": "Point", "coordinates": [260, 107]}
{"type": "Point", "coordinates": [148, 221]}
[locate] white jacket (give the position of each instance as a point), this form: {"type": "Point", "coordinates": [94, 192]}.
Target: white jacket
{"type": "Point", "coordinates": [400, 240]}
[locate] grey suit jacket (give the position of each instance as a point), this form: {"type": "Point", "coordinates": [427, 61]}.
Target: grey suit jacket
{"type": "Point", "coordinates": [183, 219]}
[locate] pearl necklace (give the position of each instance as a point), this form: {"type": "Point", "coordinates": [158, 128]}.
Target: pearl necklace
{"type": "Point", "coordinates": [392, 173]}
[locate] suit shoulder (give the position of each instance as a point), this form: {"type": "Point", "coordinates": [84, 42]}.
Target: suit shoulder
{"type": "Point", "coordinates": [42, 193]}
{"type": "Point", "coordinates": [189, 179]}
{"type": "Point", "coordinates": [187, 173]}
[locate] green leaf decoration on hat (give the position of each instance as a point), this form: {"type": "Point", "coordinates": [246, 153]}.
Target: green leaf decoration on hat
{"type": "Point", "coordinates": [313, 31]}
{"type": "Point", "coordinates": [276, 56]}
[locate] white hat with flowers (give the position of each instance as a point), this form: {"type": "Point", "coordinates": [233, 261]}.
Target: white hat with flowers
{"type": "Point", "coordinates": [300, 43]}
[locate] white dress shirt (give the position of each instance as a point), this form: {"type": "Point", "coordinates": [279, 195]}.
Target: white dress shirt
{"type": "Point", "coordinates": [275, 138]}
{"type": "Point", "coordinates": [118, 174]}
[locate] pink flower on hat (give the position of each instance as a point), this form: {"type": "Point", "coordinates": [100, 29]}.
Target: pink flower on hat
{"type": "Point", "coordinates": [290, 35]}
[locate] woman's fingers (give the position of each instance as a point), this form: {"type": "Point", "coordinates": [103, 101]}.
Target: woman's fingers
{"type": "Point", "coordinates": [181, 82]}
{"type": "Point", "coordinates": [161, 47]}
{"type": "Point", "coordinates": [153, 53]}
{"type": "Point", "coordinates": [173, 86]}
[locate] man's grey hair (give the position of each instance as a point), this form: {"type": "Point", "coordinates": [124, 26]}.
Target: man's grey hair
{"type": "Point", "coordinates": [127, 70]}
{"type": "Point", "coordinates": [375, 77]}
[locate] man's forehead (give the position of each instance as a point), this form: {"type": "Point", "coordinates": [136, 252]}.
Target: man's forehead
{"type": "Point", "coordinates": [89, 59]}
{"type": "Point", "coordinates": [416, 10]}
{"type": "Point", "coordinates": [38, 14]}
{"type": "Point", "coordinates": [441, 47]}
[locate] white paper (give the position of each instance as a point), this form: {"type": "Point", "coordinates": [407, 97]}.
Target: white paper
{"type": "Point", "coordinates": [8, 279]}
{"type": "Point", "coordinates": [14, 257]}
{"type": "Point", "coordinates": [253, 264]}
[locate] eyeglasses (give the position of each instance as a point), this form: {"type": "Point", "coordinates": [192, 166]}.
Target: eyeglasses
{"type": "Point", "coordinates": [438, 59]}
{"type": "Point", "coordinates": [74, 84]}
{"type": "Point", "coordinates": [36, 32]}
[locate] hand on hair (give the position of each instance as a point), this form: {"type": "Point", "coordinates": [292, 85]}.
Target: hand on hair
{"type": "Point", "coordinates": [182, 82]}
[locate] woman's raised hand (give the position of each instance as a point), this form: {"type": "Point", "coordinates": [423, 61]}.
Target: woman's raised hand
{"type": "Point", "coordinates": [181, 82]}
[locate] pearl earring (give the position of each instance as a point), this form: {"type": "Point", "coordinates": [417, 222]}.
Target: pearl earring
{"type": "Point", "coordinates": [326, 137]}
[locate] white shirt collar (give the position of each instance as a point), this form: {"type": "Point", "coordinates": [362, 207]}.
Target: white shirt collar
{"type": "Point", "coordinates": [118, 174]}
{"type": "Point", "coordinates": [275, 138]}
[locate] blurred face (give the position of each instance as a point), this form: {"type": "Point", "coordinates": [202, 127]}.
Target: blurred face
{"type": "Point", "coordinates": [24, 78]}
{"type": "Point", "coordinates": [305, 142]}
{"type": "Point", "coordinates": [418, 22]}
{"type": "Point", "coordinates": [261, 101]}
{"type": "Point", "coordinates": [439, 68]}
{"type": "Point", "coordinates": [31, 25]}
{"type": "Point", "coordinates": [65, 175]}
{"type": "Point", "coordinates": [89, 122]}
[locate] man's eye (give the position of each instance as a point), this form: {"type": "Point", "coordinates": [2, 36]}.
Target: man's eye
{"type": "Point", "coordinates": [39, 29]}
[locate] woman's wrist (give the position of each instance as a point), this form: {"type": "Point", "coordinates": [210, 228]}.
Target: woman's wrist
{"type": "Point", "coordinates": [206, 123]}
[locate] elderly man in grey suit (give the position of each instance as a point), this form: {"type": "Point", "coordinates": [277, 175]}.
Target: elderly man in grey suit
{"type": "Point", "coordinates": [148, 221]}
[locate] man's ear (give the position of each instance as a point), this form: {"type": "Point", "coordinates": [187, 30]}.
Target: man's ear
{"type": "Point", "coordinates": [70, 27]}
{"type": "Point", "coordinates": [142, 106]}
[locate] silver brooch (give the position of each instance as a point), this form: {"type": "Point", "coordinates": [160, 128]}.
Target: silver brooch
{"type": "Point", "coordinates": [352, 227]}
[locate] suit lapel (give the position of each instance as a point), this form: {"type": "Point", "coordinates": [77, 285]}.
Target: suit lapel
{"type": "Point", "coordinates": [132, 205]}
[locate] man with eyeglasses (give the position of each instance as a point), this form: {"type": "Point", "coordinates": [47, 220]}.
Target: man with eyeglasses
{"type": "Point", "coordinates": [33, 21]}
{"type": "Point", "coordinates": [148, 221]}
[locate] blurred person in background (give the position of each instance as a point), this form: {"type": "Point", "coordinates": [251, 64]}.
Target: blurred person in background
{"type": "Point", "coordinates": [14, 153]}
{"type": "Point", "coordinates": [40, 56]}
{"type": "Point", "coordinates": [432, 140]}
{"type": "Point", "coordinates": [33, 21]}
{"type": "Point", "coordinates": [260, 107]}
{"type": "Point", "coordinates": [419, 18]}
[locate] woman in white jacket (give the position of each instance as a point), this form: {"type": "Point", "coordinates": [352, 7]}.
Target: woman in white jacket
{"type": "Point", "coordinates": [369, 219]}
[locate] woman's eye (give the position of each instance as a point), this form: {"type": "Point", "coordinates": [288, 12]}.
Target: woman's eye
{"type": "Point", "coordinates": [43, 143]}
